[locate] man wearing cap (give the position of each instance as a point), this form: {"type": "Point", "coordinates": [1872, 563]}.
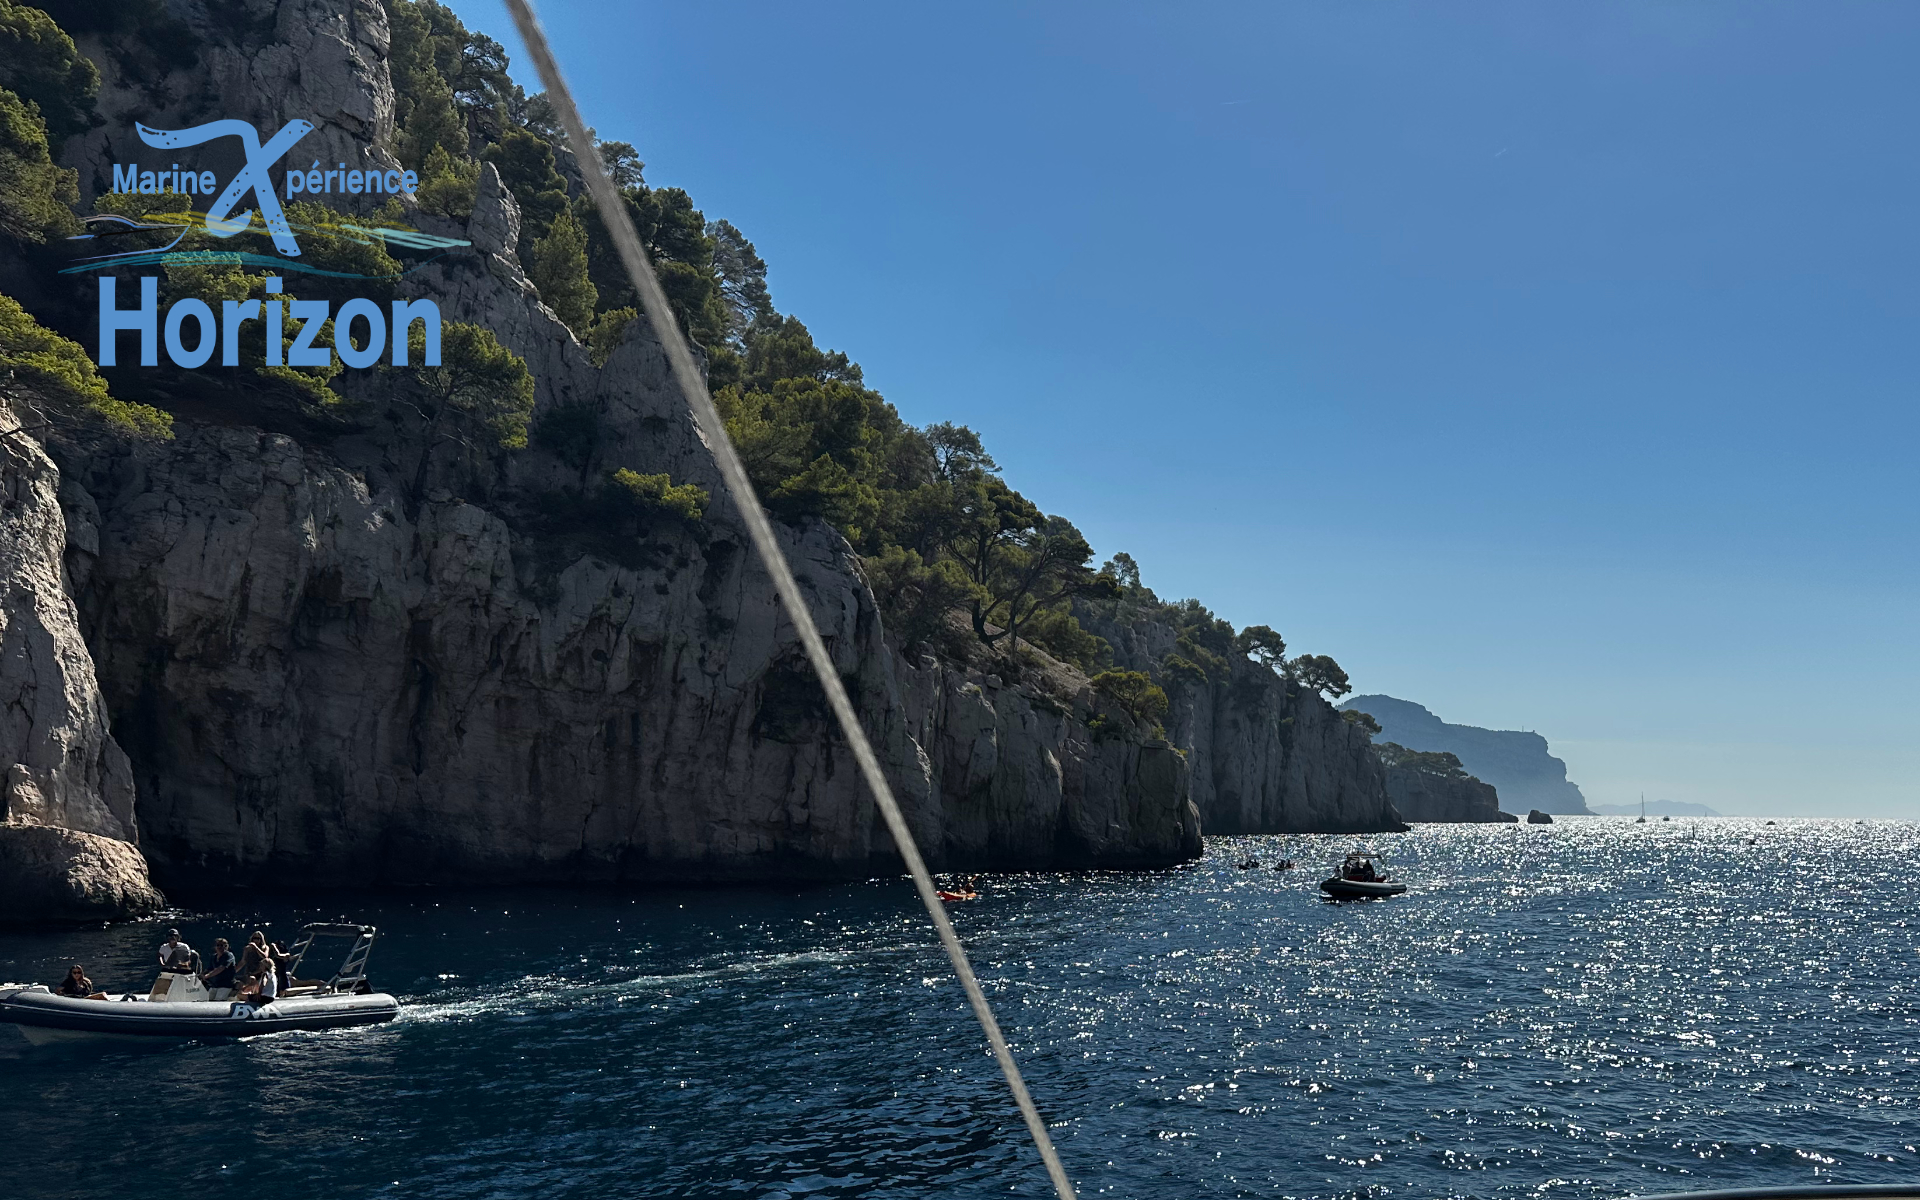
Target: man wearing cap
{"type": "Point", "coordinates": [175, 955]}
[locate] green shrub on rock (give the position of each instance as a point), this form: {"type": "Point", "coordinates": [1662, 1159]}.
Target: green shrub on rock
{"type": "Point", "coordinates": [58, 369]}
{"type": "Point", "coordinates": [447, 184]}
{"type": "Point", "coordinates": [559, 270]}
{"type": "Point", "coordinates": [1133, 692]}
{"type": "Point", "coordinates": [479, 385]}
{"type": "Point", "coordinates": [40, 65]}
{"type": "Point", "coordinates": [34, 192]}
{"type": "Point", "coordinates": [659, 494]}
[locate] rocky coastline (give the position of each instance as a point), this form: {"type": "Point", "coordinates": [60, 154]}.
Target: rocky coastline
{"type": "Point", "coordinates": [274, 653]}
{"type": "Point", "coordinates": [1434, 787]}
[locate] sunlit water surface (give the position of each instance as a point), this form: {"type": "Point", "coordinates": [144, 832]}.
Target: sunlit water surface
{"type": "Point", "coordinates": [1594, 1008]}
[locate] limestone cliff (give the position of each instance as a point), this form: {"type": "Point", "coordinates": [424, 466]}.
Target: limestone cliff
{"type": "Point", "coordinates": [1434, 787]}
{"type": "Point", "coordinates": [1516, 763]}
{"type": "Point", "coordinates": [1267, 755]}
{"type": "Point", "coordinates": [342, 651]}
{"type": "Point", "coordinates": [349, 653]}
{"type": "Point", "coordinates": [67, 798]}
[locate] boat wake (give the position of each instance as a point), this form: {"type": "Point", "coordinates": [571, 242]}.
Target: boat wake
{"type": "Point", "coordinates": [532, 995]}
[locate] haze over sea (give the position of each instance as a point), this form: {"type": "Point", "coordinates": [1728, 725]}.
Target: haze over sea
{"type": "Point", "coordinates": [1593, 1008]}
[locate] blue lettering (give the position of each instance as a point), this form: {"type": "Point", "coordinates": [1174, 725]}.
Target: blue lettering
{"type": "Point", "coordinates": [343, 333]}
{"type": "Point", "coordinates": [148, 185]}
{"type": "Point", "coordinates": [127, 178]}
{"type": "Point", "coordinates": [144, 319]}
{"type": "Point", "coordinates": [405, 313]}
{"type": "Point", "coordinates": [311, 314]}
{"type": "Point", "coordinates": [232, 314]}
{"type": "Point", "coordinates": [203, 349]}
{"type": "Point", "coordinates": [276, 309]}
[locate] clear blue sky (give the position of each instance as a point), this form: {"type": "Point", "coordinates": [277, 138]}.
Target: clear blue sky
{"type": "Point", "coordinates": [1553, 366]}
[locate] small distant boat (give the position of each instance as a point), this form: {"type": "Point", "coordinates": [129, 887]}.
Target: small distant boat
{"type": "Point", "coordinates": [1643, 809]}
{"type": "Point", "coordinates": [951, 897]}
{"type": "Point", "coordinates": [1360, 879]}
{"type": "Point", "coordinates": [180, 1006]}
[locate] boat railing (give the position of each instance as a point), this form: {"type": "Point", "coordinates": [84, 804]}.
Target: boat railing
{"type": "Point", "coordinates": [352, 973]}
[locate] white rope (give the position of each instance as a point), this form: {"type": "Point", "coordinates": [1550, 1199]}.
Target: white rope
{"type": "Point", "coordinates": [613, 212]}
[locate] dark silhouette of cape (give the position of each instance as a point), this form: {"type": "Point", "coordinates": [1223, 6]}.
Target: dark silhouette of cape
{"type": "Point", "coordinates": [1516, 764]}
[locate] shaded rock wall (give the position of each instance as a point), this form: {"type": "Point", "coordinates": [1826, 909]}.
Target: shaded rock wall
{"type": "Point", "coordinates": [1266, 755]}
{"type": "Point", "coordinates": [67, 797]}
{"type": "Point", "coordinates": [356, 654]}
{"type": "Point", "coordinates": [1022, 782]}
{"type": "Point", "coordinates": [329, 675]}
{"type": "Point", "coordinates": [1423, 796]}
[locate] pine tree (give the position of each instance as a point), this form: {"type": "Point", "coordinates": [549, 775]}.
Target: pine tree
{"type": "Point", "coordinates": [559, 270]}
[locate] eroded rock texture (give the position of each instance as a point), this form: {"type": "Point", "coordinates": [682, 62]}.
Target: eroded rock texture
{"type": "Point", "coordinates": [349, 651]}
{"type": "Point", "coordinates": [1425, 796]}
{"type": "Point", "coordinates": [67, 798]}
{"type": "Point", "coordinates": [51, 876]}
{"type": "Point", "coordinates": [1267, 755]}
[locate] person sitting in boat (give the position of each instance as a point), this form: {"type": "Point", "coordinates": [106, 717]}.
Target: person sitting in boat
{"type": "Point", "coordinates": [253, 958]}
{"type": "Point", "coordinates": [220, 974]}
{"type": "Point", "coordinates": [264, 989]}
{"type": "Point", "coordinates": [175, 955]}
{"type": "Point", "coordinates": [77, 984]}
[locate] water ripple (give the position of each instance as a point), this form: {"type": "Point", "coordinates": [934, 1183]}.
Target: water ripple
{"type": "Point", "coordinates": [1592, 1008]}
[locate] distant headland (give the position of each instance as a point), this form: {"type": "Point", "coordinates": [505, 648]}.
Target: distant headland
{"type": "Point", "coordinates": [1517, 764]}
{"type": "Point", "coordinates": [1657, 808]}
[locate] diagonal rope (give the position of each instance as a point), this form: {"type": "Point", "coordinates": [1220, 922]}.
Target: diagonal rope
{"type": "Point", "coordinates": [694, 387]}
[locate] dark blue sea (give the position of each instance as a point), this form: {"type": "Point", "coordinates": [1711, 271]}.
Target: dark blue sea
{"type": "Point", "coordinates": [1594, 1008]}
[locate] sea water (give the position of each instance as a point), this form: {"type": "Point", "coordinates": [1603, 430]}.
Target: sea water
{"type": "Point", "coordinates": [1592, 1008]}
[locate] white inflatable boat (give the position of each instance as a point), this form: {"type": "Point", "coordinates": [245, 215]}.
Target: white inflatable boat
{"type": "Point", "coordinates": [180, 1006]}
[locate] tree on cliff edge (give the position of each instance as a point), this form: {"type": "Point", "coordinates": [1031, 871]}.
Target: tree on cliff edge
{"type": "Point", "coordinates": [480, 394]}
{"type": "Point", "coordinates": [1319, 673]}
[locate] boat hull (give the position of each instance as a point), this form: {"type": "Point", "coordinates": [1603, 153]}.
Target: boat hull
{"type": "Point", "coordinates": [44, 1017]}
{"type": "Point", "coordinates": [1354, 889]}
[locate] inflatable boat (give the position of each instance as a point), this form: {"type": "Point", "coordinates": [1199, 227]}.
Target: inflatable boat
{"type": "Point", "coordinates": [180, 1006]}
{"type": "Point", "coordinates": [1360, 889]}
{"type": "Point", "coordinates": [1360, 879]}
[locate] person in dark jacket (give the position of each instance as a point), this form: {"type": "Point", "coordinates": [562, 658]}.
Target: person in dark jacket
{"type": "Point", "coordinates": [220, 972]}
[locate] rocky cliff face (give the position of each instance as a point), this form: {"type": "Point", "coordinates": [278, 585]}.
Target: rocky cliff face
{"type": "Point", "coordinates": [67, 798]}
{"type": "Point", "coordinates": [349, 654]}
{"type": "Point", "coordinates": [1424, 791]}
{"type": "Point", "coordinates": [1516, 763]}
{"type": "Point", "coordinates": [327, 673]}
{"type": "Point", "coordinates": [260, 61]}
{"type": "Point", "coordinates": [1267, 756]}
